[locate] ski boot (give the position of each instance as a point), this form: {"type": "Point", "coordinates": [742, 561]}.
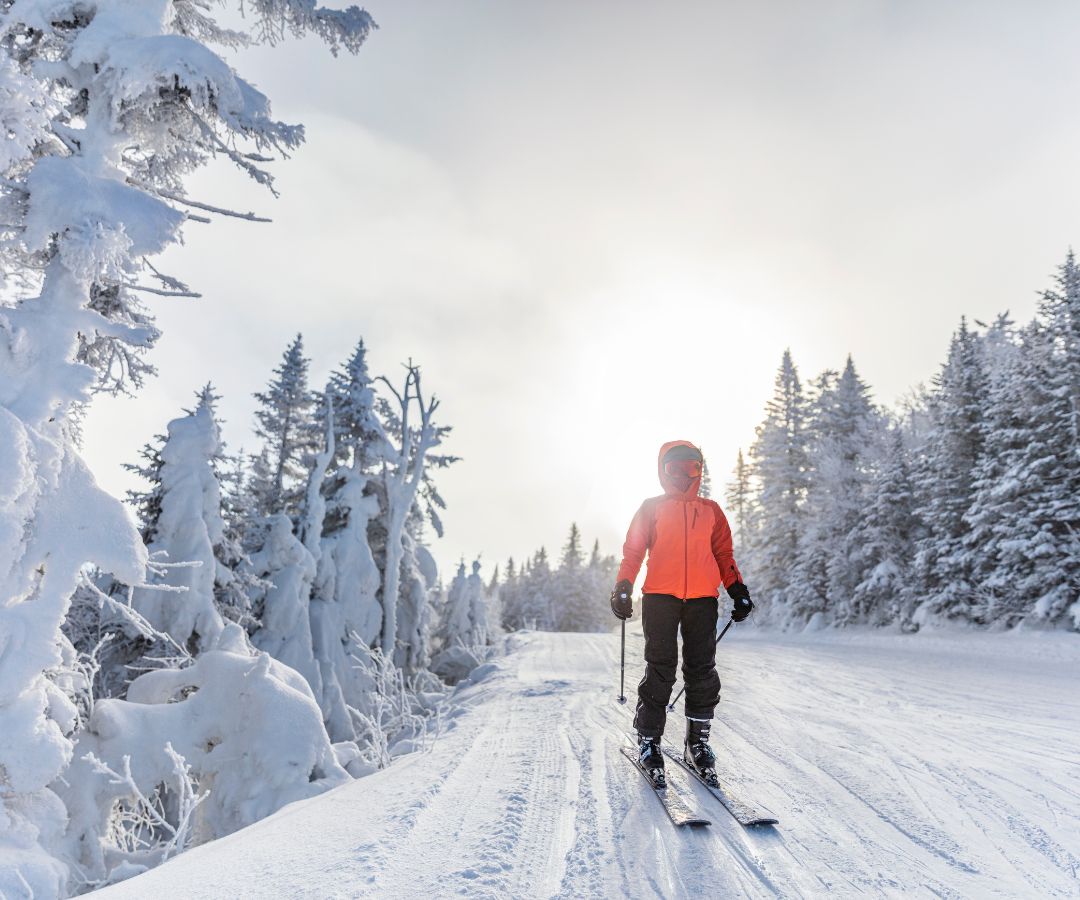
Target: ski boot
{"type": "Point", "coordinates": [697, 752]}
{"type": "Point", "coordinates": [651, 759]}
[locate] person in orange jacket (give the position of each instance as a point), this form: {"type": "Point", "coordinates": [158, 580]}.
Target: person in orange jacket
{"type": "Point", "coordinates": [688, 541]}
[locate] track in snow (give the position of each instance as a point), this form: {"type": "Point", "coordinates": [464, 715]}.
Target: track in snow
{"type": "Point", "coordinates": [922, 766]}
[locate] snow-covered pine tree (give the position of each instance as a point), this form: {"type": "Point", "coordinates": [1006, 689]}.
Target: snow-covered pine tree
{"type": "Point", "coordinates": [809, 594]}
{"type": "Point", "coordinates": [779, 463]}
{"type": "Point", "coordinates": [537, 602]}
{"type": "Point", "coordinates": [1055, 583]}
{"type": "Point", "coordinates": [494, 604]}
{"type": "Point", "coordinates": [463, 631]}
{"type": "Point", "coordinates": [586, 585]}
{"type": "Point", "coordinates": [996, 491]}
{"type": "Point", "coordinates": [418, 591]}
{"type": "Point", "coordinates": [287, 569]}
{"type": "Point", "coordinates": [570, 607]}
{"type": "Point", "coordinates": [233, 579]}
{"type": "Point", "coordinates": [477, 607]}
{"type": "Point", "coordinates": [186, 496]}
{"type": "Point", "coordinates": [739, 500]}
{"type": "Point", "coordinates": [844, 434]}
{"type": "Point", "coordinates": [1060, 311]}
{"type": "Point", "coordinates": [885, 539]}
{"type": "Point", "coordinates": [600, 576]}
{"type": "Point", "coordinates": [510, 595]}
{"type": "Point", "coordinates": [1025, 513]}
{"type": "Point", "coordinates": [945, 473]}
{"type": "Point", "coordinates": [456, 623]}
{"type": "Point", "coordinates": [706, 481]}
{"type": "Point", "coordinates": [286, 488]}
{"type": "Point", "coordinates": [360, 436]}
{"type": "Point", "coordinates": [346, 614]}
{"type": "Point", "coordinates": [286, 423]}
{"type": "Point", "coordinates": [237, 582]}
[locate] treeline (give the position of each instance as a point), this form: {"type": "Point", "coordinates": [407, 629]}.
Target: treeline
{"type": "Point", "coordinates": [571, 595]}
{"type": "Point", "coordinates": [962, 506]}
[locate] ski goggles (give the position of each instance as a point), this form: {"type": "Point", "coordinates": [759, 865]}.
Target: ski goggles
{"type": "Point", "coordinates": [691, 468]}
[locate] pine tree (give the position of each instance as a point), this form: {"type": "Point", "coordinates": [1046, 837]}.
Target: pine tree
{"type": "Point", "coordinates": [571, 609]}
{"type": "Point", "coordinates": [513, 617]}
{"type": "Point", "coordinates": [1060, 311]}
{"type": "Point", "coordinates": [947, 479]}
{"type": "Point", "coordinates": [846, 446]}
{"type": "Point", "coordinates": [1057, 593]}
{"type": "Point", "coordinates": [186, 527]}
{"type": "Point", "coordinates": [360, 436]}
{"type": "Point", "coordinates": [997, 493]}
{"type": "Point", "coordinates": [706, 481]}
{"type": "Point", "coordinates": [235, 582]}
{"type": "Point", "coordinates": [493, 598]}
{"type": "Point", "coordinates": [538, 605]}
{"type": "Point", "coordinates": [456, 627]}
{"type": "Point", "coordinates": [287, 426]}
{"type": "Point", "coordinates": [1025, 513]}
{"type": "Point", "coordinates": [600, 576]}
{"type": "Point", "coordinates": [886, 539]}
{"type": "Point", "coordinates": [739, 498]}
{"type": "Point", "coordinates": [571, 554]}
{"type": "Point", "coordinates": [779, 459]}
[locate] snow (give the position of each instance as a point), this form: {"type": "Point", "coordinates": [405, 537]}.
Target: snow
{"type": "Point", "coordinates": [187, 529]}
{"type": "Point", "coordinates": [248, 727]}
{"type": "Point", "coordinates": [66, 197]}
{"type": "Point", "coordinates": [939, 764]}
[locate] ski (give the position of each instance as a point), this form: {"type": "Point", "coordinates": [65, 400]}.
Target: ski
{"type": "Point", "coordinates": [677, 808]}
{"type": "Point", "coordinates": [744, 813]}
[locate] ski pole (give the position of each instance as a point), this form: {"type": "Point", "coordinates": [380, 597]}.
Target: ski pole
{"type": "Point", "coordinates": [671, 705]}
{"type": "Point", "coordinates": [622, 665]}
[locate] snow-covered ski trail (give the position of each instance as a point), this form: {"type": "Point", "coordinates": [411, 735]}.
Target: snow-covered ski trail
{"type": "Point", "coordinates": [921, 766]}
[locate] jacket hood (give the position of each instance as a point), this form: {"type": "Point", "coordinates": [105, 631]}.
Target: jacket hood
{"type": "Point", "coordinates": [665, 482]}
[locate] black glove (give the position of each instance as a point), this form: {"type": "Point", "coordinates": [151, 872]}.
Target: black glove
{"type": "Point", "coordinates": [741, 604]}
{"type": "Point", "coordinates": [622, 602]}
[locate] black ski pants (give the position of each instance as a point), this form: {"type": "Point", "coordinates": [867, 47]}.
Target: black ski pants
{"type": "Point", "coordinates": [661, 617]}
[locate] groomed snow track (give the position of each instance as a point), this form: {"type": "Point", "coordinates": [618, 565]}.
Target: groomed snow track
{"type": "Point", "coordinates": [920, 766]}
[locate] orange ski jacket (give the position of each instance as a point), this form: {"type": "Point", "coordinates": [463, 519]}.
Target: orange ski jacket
{"type": "Point", "coordinates": [687, 538]}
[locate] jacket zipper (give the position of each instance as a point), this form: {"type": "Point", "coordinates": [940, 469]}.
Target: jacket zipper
{"type": "Point", "coordinates": [686, 554]}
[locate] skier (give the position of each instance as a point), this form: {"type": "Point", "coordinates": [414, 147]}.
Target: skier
{"type": "Point", "coordinates": [688, 541]}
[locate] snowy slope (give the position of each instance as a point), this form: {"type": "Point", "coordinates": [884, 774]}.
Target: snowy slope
{"type": "Point", "coordinates": [922, 766]}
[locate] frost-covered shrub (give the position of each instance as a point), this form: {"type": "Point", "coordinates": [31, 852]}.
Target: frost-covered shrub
{"type": "Point", "coordinates": [247, 727]}
{"type": "Point", "coordinates": [392, 718]}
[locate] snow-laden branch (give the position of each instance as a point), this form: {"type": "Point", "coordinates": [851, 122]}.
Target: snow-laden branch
{"type": "Point", "coordinates": [206, 207]}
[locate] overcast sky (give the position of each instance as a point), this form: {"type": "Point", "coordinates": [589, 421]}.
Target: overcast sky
{"type": "Point", "coordinates": [597, 225]}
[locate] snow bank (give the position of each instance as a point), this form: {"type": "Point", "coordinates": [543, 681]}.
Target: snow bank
{"type": "Point", "coordinates": [248, 727]}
